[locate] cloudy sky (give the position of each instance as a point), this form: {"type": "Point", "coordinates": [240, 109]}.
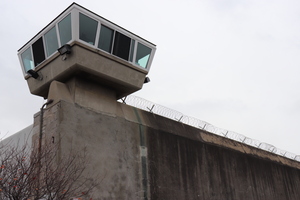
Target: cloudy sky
{"type": "Point", "coordinates": [232, 63]}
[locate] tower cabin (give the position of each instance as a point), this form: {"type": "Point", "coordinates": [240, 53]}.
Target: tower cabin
{"type": "Point", "coordinates": [79, 44]}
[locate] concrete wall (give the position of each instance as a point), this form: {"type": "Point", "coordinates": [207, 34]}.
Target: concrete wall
{"type": "Point", "coordinates": [139, 155]}
{"type": "Point", "coordinates": [112, 143]}
{"type": "Point", "coordinates": [182, 168]}
{"type": "Point", "coordinates": [21, 139]}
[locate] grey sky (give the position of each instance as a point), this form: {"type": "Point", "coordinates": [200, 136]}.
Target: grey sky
{"type": "Point", "coordinates": [234, 64]}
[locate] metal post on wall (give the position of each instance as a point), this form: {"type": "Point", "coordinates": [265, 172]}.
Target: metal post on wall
{"type": "Point", "coordinates": [40, 140]}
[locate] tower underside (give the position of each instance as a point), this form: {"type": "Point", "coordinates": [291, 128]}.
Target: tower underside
{"type": "Point", "coordinates": [92, 65]}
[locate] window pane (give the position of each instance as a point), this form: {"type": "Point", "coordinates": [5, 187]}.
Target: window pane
{"type": "Point", "coordinates": [27, 60]}
{"type": "Point", "coordinates": [65, 31]}
{"type": "Point", "coordinates": [51, 41]}
{"type": "Point", "coordinates": [131, 50]}
{"type": "Point", "coordinates": [105, 40]}
{"type": "Point", "coordinates": [87, 29]}
{"type": "Point", "coordinates": [142, 55]}
{"type": "Point", "coordinates": [121, 46]}
{"type": "Point", "coordinates": [38, 51]}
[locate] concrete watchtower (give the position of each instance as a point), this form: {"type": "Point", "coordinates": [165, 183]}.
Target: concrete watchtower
{"type": "Point", "coordinates": [81, 57]}
{"type": "Point", "coordinates": [84, 63]}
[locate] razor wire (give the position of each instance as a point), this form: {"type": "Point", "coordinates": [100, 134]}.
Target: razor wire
{"type": "Point", "coordinates": [149, 106]}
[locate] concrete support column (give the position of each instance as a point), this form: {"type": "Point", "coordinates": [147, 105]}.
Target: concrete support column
{"type": "Point", "coordinates": [86, 94]}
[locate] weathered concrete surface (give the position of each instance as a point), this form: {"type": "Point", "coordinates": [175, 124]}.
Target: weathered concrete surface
{"type": "Point", "coordinates": [111, 142]}
{"type": "Point", "coordinates": [84, 93]}
{"type": "Point", "coordinates": [182, 168]}
{"type": "Point", "coordinates": [140, 155]}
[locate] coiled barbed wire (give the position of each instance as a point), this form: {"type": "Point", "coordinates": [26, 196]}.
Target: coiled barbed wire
{"type": "Point", "coordinates": [191, 121]}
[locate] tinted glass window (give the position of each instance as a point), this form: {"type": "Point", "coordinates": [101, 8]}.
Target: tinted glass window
{"type": "Point", "coordinates": [27, 60]}
{"type": "Point", "coordinates": [121, 46]}
{"type": "Point", "coordinates": [65, 31]}
{"type": "Point", "coordinates": [51, 41]}
{"type": "Point", "coordinates": [105, 40]}
{"type": "Point", "coordinates": [87, 29]}
{"type": "Point", "coordinates": [142, 55]}
{"type": "Point", "coordinates": [38, 51]}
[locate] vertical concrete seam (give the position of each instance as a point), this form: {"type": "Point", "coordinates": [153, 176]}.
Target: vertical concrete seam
{"type": "Point", "coordinates": [143, 155]}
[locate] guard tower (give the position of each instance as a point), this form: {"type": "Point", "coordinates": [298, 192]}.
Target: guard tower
{"type": "Point", "coordinates": [80, 52]}
{"type": "Point", "coordinates": [83, 63]}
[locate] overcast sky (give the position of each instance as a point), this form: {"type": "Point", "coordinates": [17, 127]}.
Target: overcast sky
{"type": "Point", "coordinates": [232, 63]}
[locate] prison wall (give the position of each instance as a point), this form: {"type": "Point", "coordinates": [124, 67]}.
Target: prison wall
{"type": "Point", "coordinates": [140, 155]}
